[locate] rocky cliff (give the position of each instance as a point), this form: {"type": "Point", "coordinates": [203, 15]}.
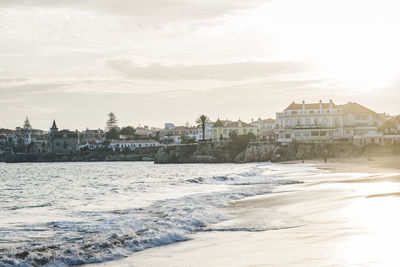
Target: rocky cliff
{"type": "Point", "coordinates": [277, 152]}
{"type": "Point", "coordinates": [195, 153]}
{"type": "Point", "coordinates": [259, 152]}
{"type": "Point", "coordinates": [140, 154]}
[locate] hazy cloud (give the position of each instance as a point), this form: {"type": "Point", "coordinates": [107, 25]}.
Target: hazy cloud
{"type": "Point", "coordinates": [230, 71]}
{"type": "Point", "coordinates": [153, 10]}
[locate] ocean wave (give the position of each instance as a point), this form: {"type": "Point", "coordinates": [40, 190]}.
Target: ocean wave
{"type": "Point", "coordinates": [112, 235]}
{"type": "Point", "coordinates": [255, 176]}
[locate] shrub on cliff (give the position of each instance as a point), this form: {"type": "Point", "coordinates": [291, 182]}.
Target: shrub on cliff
{"type": "Point", "coordinates": [238, 143]}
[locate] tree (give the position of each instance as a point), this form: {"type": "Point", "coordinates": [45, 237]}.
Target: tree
{"type": "Point", "coordinates": [43, 145]}
{"type": "Point", "coordinates": [113, 133]}
{"type": "Point", "coordinates": [202, 121]}
{"type": "Point", "coordinates": [20, 141]}
{"type": "Point", "coordinates": [157, 136]}
{"type": "Point", "coordinates": [128, 131]}
{"type": "Point", "coordinates": [27, 125]}
{"type": "Point", "coordinates": [112, 121]}
{"type": "Point", "coordinates": [188, 140]}
{"type": "Point", "coordinates": [10, 140]}
{"type": "Point", "coordinates": [238, 143]}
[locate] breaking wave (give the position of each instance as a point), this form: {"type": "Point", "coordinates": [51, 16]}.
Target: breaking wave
{"type": "Point", "coordinates": [93, 235]}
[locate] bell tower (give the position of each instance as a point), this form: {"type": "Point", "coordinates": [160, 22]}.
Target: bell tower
{"type": "Point", "coordinates": [54, 128]}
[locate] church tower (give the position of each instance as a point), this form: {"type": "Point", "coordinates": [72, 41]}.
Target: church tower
{"type": "Point", "coordinates": [54, 128]}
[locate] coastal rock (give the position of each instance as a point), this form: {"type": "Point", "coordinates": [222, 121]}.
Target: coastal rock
{"type": "Point", "coordinates": [261, 152]}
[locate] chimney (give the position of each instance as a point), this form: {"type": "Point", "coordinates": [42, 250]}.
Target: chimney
{"type": "Point", "coordinates": [304, 107]}
{"type": "Point", "coordinates": [330, 106]}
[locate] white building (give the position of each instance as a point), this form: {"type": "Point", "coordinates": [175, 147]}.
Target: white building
{"type": "Point", "coordinates": [173, 134]}
{"type": "Point", "coordinates": [326, 122]}
{"type": "Point", "coordinates": [132, 144]}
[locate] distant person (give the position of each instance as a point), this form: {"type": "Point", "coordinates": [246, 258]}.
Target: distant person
{"type": "Point", "coordinates": [326, 159]}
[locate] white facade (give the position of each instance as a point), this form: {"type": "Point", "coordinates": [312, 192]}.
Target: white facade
{"type": "Point", "coordinates": [132, 144]}
{"type": "Point", "coordinates": [208, 132]}
{"type": "Point", "coordinates": [325, 122]}
{"type": "Point", "coordinates": [264, 125]}
{"type": "Point", "coordinates": [173, 134]}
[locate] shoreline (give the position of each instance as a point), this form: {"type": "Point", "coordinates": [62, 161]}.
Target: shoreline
{"type": "Point", "coordinates": [341, 217]}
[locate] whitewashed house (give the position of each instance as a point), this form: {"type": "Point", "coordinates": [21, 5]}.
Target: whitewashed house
{"type": "Point", "coordinates": [132, 144]}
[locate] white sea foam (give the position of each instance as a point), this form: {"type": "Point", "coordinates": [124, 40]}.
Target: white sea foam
{"type": "Point", "coordinates": [88, 223]}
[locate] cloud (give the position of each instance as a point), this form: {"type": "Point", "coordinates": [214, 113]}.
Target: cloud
{"type": "Point", "coordinates": [228, 72]}
{"type": "Point", "coordinates": [161, 10]}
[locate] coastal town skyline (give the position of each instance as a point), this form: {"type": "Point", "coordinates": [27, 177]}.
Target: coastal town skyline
{"type": "Point", "coordinates": [77, 60]}
{"type": "Point", "coordinates": [199, 133]}
{"type": "Point", "coordinates": [159, 124]}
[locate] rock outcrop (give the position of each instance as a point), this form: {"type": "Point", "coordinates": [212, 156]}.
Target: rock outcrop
{"type": "Point", "coordinates": [139, 154]}
{"type": "Point", "coordinates": [266, 151]}
{"type": "Point", "coordinates": [195, 153]}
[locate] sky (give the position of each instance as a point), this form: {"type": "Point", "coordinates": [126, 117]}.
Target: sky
{"type": "Point", "coordinates": [157, 61]}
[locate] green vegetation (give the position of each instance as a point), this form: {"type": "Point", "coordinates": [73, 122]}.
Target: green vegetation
{"type": "Point", "coordinates": [113, 133]}
{"type": "Point", "coordinates": [112, 121]}
{"type": "Point", "coordinates": [27, 125]}
{"type": "Point", "coordinates": [188, 140]}
{"type": "Point", "coordinates": [238, 143]}
{"type": "Point", "coordinates": [202, 121]}
{"type": "Point", "coordinates": [128, 131]}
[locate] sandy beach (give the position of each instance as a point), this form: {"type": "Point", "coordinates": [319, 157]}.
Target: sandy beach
{"type": "Point", "coordinates": [347, 215]}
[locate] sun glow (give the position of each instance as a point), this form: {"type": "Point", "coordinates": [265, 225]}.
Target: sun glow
{"type": "Point", "coordinates": [353, 42]}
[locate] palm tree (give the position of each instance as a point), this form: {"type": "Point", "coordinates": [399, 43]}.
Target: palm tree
{"type": "Point", "coordinates": [203, 120]}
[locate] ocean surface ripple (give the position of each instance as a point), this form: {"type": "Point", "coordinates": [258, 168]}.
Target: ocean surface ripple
{"type": "Point", "coordinates": [75, 213]}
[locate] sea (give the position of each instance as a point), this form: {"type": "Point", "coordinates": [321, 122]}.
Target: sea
{"type": "Point", "coordinates": [63, 214]}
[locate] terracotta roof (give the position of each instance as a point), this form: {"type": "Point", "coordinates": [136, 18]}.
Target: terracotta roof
{"type": "Point", "coordinates": [233, 124]}
{"type": "Point", "coordinates": [353, 107]}
{"type": "Point", "coordinates": [296, 106]}
{"type": "Point", "coordinates": [269, 120]}
{"type": "Point", "coordinates": [218, 123]}
{"type": "Point", "coordinates": [179, 128]}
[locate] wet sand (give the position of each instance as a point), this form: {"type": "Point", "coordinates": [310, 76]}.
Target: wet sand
{"type": "Point", "coordinates": [347, 215]}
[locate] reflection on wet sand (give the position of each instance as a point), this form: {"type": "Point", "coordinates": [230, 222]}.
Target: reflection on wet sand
{"type": "Point", "coordinates": [345, 215]}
